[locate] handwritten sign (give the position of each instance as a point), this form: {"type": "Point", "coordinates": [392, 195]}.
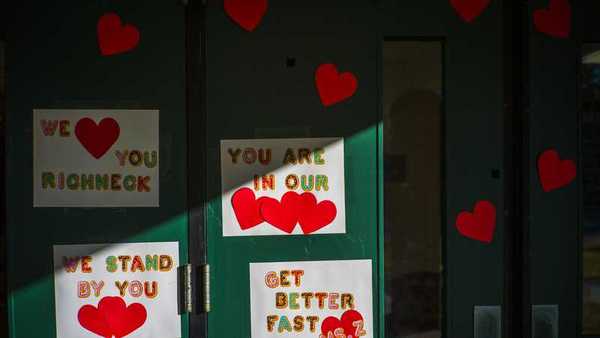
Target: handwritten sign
{"type": "Point", "coordinates": [317, 299]}
{"type": "Point", "coordinates": [95, 158]}
{"type": "Point", "coordinates": [283, 186]}
{"type": "Point", "coordinates": [117, 290]}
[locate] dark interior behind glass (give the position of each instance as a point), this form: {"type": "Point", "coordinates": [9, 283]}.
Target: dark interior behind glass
{"type": "Point", "coordinates": [412, 120]}
{"type": "Point", "coordinates": [590, 163]}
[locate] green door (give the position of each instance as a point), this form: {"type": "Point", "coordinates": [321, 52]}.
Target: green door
{"type": "Point", "coordinates": [423, 162]}
{"type": "Point", "coordinates": [54, 61]}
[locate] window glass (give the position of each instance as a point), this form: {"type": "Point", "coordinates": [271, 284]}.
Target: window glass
{"type": "Point", "coordinates": [590, 162]}
{"type": "Point", "coordinates": [412, 119]}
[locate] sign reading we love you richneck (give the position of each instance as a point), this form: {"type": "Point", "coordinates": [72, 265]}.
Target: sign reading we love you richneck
{"type": "Point", "coordinates": [95, 158]}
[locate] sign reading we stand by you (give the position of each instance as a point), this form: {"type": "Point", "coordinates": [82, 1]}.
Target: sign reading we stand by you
{"type": "Point", "coordinates": [283, 186]}
{"type": "Point", "coordinates": [117, 290]}
{"type": "Point", "coordinates": [95, 158]}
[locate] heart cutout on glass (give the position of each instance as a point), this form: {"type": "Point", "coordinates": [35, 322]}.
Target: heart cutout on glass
{"type": "Point", "coordinates": [334, 87]}
{"type": "Point", "coordinates": [351, 325]}
{"type": "Point", "coordinates": [480, 224]}
{"type": "Point", "coordinates": [313, 216]}
{"type": "Point", "coordinates": [553, 172]}
{"type": "Point", "coordinates": [246, 208]}
{"type": "Point", "coordinates": [282, 215]}
{"type": "Point", "coordinates": [112, 317]}
{"type": "Point", "coordinates": [469, 10]}
{"type": "Point", "coordinates": [114, 37]}
{"type": "Point", "coordinates": [97, 139]}
{"type": "Point", "coordinates": [246, 13]}
{"type": "Point", "coordinates": [554, 20]}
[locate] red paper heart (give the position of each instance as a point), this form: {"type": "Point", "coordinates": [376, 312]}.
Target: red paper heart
{"type": "Point", "coordinates": [348, 325]}
{"type": "Point", "coordinates": [332, 86]}
{"type": "Point", "coordinates": [97, 139]}
{"type": "Point", "coordinates": [112, 317]}
{"type": "Point", "coordinates": [115, 38]}
{"type": "Point", "coordinates": [469, 10]}
{"type": "Point", "coordinates": [553, 172]}
{"type": "Point", "coordinates": [480, 224]}
{"type": "Point", "coordinates": [554, 20]}
{"type": "Point", "coordinates": [246, 13]}
{"type": "Point", "coordinates": [247, 208]}
{"type": "Point", "coordinates": [282, 215]}
{"type": "Point", "coordinates": [315, 216]}
{"type": "Point", "coordinates": [91, 319]}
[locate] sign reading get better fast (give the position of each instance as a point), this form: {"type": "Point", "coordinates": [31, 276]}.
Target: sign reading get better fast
{"type": "Point", "coordinates": [313, 299]}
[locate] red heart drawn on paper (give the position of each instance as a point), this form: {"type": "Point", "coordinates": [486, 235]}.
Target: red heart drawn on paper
{"type": "Point", "coordinates": [97, 139]}
{"type": "Point", "coordinates": [554, 20]}
{"type": "Point", "coordinates": [332, 86]}
{"type": "Point", "coordinates": [122, 319]}
{"type": "Point", "coordinates": [351, 325]}
{"type": "Point", "coordinates": [315, 216]}
{"type": "Point", "coordinates": [246, 13]}
{"type": "Point", "coordinates": [553, 172]}
{"type": "Point", "coordinates": [480, 224]}
{"type": "Point", "coordinates": [247, 208]}
{"type": "Point", "coordinates": [333, 325]}
{"type": "Point", "coordinates": [91, 319]}
{"type": "Point", "coordinates": [112, 317]}
{"type": "Point", "coordinates": [282, 215]}
{"type": "Point", "coordinates": [469, 10]}
{"type": "Point", "coordinates": [114, 37]}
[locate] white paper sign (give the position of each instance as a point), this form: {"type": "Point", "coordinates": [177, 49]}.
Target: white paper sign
{"type": "Point", "coordinates": [117, 290]}
{"type": "Point", "coordinates": [283, 186]}
{"type": "Point", "coordinates": [327, 299]}
{"type": "Point", "coordinates": [95, 158]}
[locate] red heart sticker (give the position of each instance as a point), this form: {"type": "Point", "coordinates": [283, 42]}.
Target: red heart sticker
{"type": "Point", "coordinates": [554, 20]}
{"type": "Point", "coordinates": [282, 215]}
{"type": "Point", "coordinates": [112, 317]}
{"type": "Point", "coordinates": [480, 224]}
{"type": "Point", "coordinates": [553, 172]}
{"type": "Point", "coordinates": [91, 319]}
{"type": "Point", "coordinates": [114, 37]}
{"type": "Point", "coordinates": [351, 325]}
{"type": "Point", "coordinates": [315, 216]}
{"type": "Point", "coordinates": [97, 139]}
{"type": "Point", "coordinates": [332, 86]}
{"type": "Point", "coordinates": [246, 13]}
{"type": "Point", "coordinates": [469, 10]}
{"type": "Point", "coordinates": [247, 208]}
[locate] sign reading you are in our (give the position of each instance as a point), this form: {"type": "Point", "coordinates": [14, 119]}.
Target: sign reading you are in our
{"type": "Point", "coordinates": [283, 186]}
{"type": "Point", "coordinates": [95, 158]}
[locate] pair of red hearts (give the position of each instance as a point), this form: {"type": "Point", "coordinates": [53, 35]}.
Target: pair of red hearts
{"type": "Point", "coordinates": [285, 214]}
{"type": "Point", "coordinates": [554, 20]}
{"type": "Point", "coordinates": [97, 139]}
{"type": "Point", "coordinates": [332, 86]}
{"type": "Point", "coordinates": [553, 174]}
{"type": "Point", "coordinates": [351, 325]}
{"type": "Point", "coordinates": [112, 318]}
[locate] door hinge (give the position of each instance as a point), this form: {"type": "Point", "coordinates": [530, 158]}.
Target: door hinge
{"type": "Point", "coordinates": [185, 288]}
{"type": "Point", "coordinates": [205, 279]}
{"type": "Point", "coordinates": [190, 287]}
